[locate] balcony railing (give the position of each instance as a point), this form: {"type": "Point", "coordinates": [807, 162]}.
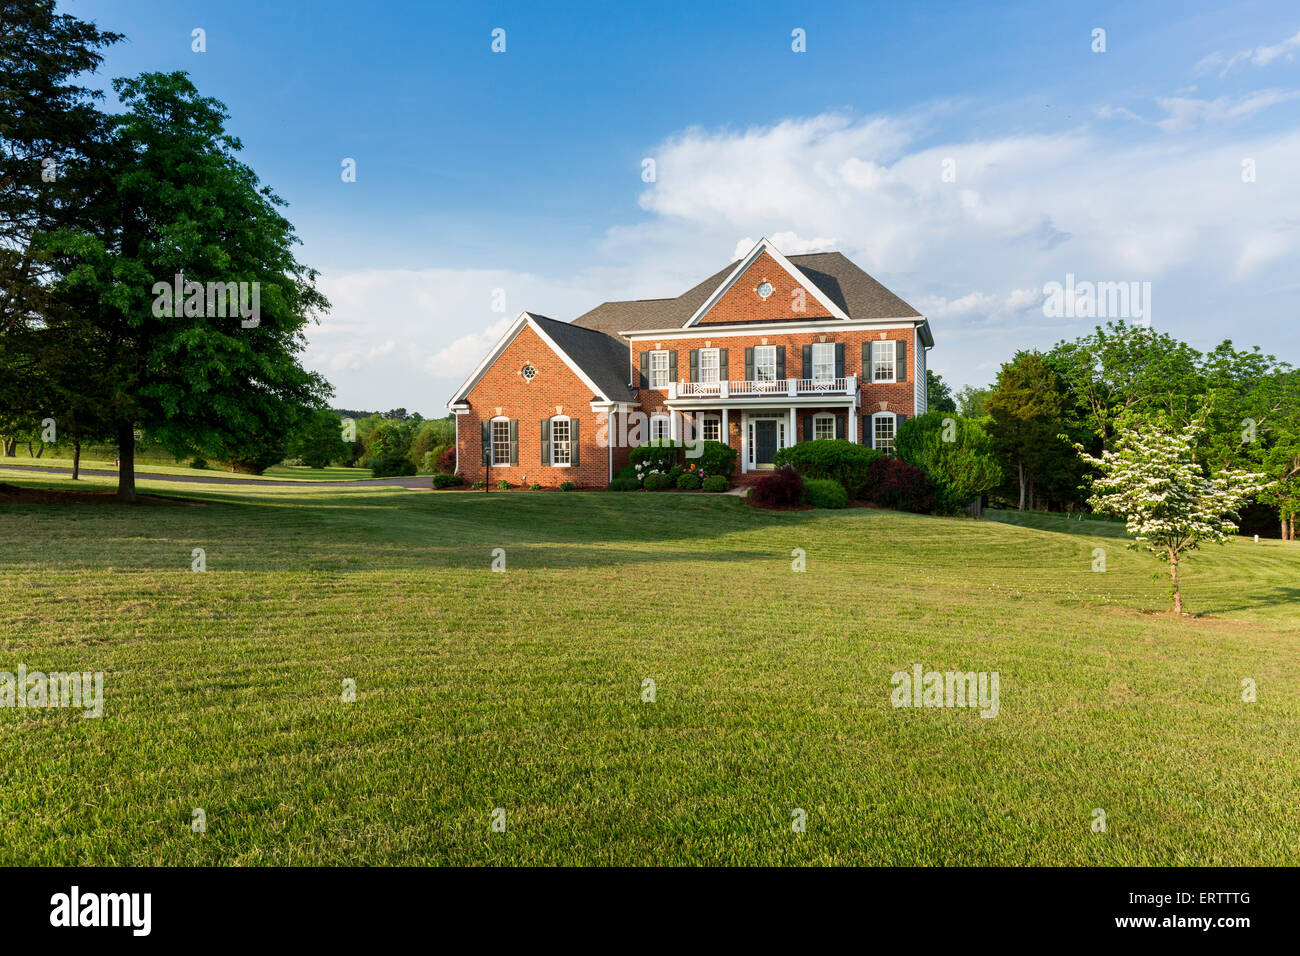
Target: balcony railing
{"type": "Point", "coordinates": [787, 387]}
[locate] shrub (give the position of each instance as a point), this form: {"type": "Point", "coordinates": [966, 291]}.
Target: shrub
{"type": "Point", "coordinates": [833, 458]}
{"type": "Point", "coordinates": [567, 486]}
{"type": "Point", "coordinates": [390, 463]}
{"type": "Point", "coordinates": [715, 483]}
{"type": "Point", "coordinates": [715, 459]}
{"type": "Point", "coordinates": [825, 493]}
{"type": "Point", "coordinates": [688, 481]}
{"type": "Point", "coordinates": [658, 482]}
{"type": "Point", "coordinates": [199, 463]}
{"type": "Point", "coordinates": [448, 481]}
{"type": "Point", "coordinates": [479, 485]}
{"type": "Point", "coordinates": [624, 484]}
{"type": "Point", "coordinates": [446, 462]}
{"type": "Point", "coordinates": [628, 473]}
{"type": "Point", "coordinates": [504, 485]}
{"type": "Point", "coordinates": [534, 487]}
{"type": "Point", "coordinates": [663, 453]}
{"type": "Point", "coordinates": [955, 453]}
{"type": "Point", "coordinates": [782, 487]}
{"type": "Point", "coordinates": [896, 484]}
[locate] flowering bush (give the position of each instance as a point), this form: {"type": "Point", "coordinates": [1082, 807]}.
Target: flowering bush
{"type": "Point", "coordinates": [892, 483]}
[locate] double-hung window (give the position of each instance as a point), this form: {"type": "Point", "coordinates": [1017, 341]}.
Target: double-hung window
{"type": "Point", "coordinates": [882, 430]}
{"type": "Point", "coordinates": [765, 363]}
{"type": "Point", "coordinates": [824, 426]}
{"type": "Point", "coordinates": [560, 449]}
{"type": "Point", "coordinates": [659, 369]}
{"type": "Point", "coordinates": [823, 356]}
{"type": "Point", "coordinates": [501, 441]}
{"type": "Point", "coordinates": [709, 366]}
{"type": "Point", "coordinates": [659, 427]}
{"type": "Point", "coordinates": [710, 428]}
{"type": "Point", "coordinates": [882, 362]}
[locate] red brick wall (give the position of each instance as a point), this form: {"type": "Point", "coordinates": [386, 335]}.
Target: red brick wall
{"type": "Point", "coordinates": [504, 391]}
{"type": "Point", "coordinates": [741, 303]}
{"type": "Point", "coordinates": [897, 395]}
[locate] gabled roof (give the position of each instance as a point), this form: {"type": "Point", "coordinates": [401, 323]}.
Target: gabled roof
{"type": "Point", "coordinates": [598, 359]}
{"type": "Point", "coordinates": [843, 283]}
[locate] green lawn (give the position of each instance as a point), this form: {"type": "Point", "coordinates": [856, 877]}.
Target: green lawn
{"type": "Point", "coordinates": [279, 472]}
{"type": "Point", "coordinates": [522, 690]}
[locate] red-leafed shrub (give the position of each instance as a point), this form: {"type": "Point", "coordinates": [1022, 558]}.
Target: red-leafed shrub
{"type": "Point", "coordinates": [447, 461]}
{"type": "Point", "coordinates": [893, 483]}
{"type": "Point", "coordinates": [781, 488]}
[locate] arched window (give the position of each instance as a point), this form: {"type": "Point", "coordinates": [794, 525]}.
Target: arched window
{"type": "Point", "coordinates": [883, 425]}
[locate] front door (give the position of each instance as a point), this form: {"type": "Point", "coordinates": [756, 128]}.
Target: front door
{"type": "Point", "coordinates": [764, 442]}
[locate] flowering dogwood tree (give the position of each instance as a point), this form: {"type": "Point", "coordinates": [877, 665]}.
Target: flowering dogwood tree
{"type": "Point", "coordinates": [1153, 480]}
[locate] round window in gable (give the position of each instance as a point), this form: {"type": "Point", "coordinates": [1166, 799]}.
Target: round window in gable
{"type": "Point", "coordinates": [764, 289]}
{"type": "Point", "coordinates": [528, 372]}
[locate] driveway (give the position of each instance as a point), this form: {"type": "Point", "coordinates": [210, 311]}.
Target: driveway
{"type": "Point", "coordinates": [418, 481]}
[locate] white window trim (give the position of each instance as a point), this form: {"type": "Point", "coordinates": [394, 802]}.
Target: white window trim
{"type": "Point", "coordinates": [569, 441]}
{"type": "Point", "coordinates": [823, 417]}
{"type": "Point", "coordinates": [825, 347]}
{"type": "Point", "coordinates": [667, 369]}
{"type": "Point", "coordinates": [765, 349]}
{"type": "Point", "coordinates": [492, 430]}
{"type": "Point", "coordinates": [893, 378]}
{"type": "Point", "coordinates": [881, 415]}
{"type": "Point", "coordinates": [717, 366]}
{"type": "Point", "coordinates": [701, 419]}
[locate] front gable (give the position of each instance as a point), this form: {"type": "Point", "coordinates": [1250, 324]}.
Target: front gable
{"type": "Point", "coordinates": [765, 287]}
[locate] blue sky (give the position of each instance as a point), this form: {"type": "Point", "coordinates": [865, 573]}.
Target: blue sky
{"type": "Point", "coordinates": [521, 171]}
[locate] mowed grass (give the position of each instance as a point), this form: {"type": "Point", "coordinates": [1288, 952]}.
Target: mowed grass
{"type": "Point", "coordinates": [522, 690]}
{"type": "Point", "coordinates": [275, 472]}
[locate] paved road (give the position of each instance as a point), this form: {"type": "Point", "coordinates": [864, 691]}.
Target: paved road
{"type": "Point", "coordinates": [413, 482]}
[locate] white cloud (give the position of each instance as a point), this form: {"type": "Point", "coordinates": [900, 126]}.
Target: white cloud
{"type": "Point", "coordinates": [1185, 113]}
{"type": "Point", "coordinates": [1257, 56]}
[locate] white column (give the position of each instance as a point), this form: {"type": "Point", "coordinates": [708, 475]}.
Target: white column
{"type": "Point", "coordinates": [744, 445]}
{"type": "Point", "coordinates": [726, 434]}
{"type": "Point", "coordinates": [790, 436]}
{"type": "Point", "coordinates": [853, 425]}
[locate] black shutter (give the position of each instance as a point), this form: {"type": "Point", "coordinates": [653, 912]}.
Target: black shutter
{"type": "Point", "coordinates": [487, 443]}
{"type": "Point", "coordinates": [808, 433]}
{"type": "Point", "coordinates": [749, 363]}
{"type": "Point", "coordinates": [841, 426]}
{"type": "Point", "coordinates": [900, 360]}
{"type": "Point", "coordinates": [514, 441]}
{"type": "Point", "coordinates": [573, 442]}
{"type": "Point", "coordinates": [839, 359]}
{"type": "Point", "coordinates": [898, 423]}
{"type": "Point", "coordinates": [546, 441]}
{"type": "Point", "coordinates": [645, 370]}
{"type": "Point", "coordinates": [672, 366]}
{"type": "Point", "coordinates": [807, 361]}
{"type": "Point", "coordinates": [722, 365]}
{"type": "Point", "coordinates": [780, 362]}
{"type": "Point", "coordinates": [695, 365]}
{"type": "Point", "coordinates": [864, 432]}
{"type": "Point", "coordinates": [867, 373]}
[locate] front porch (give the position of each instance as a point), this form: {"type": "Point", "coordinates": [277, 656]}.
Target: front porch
{"type": "Point", "coordinates": [758, 432]}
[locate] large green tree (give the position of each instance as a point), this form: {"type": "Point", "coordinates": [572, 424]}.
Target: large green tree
{"type": "Point", "coordinates": [51, 136]}
{"type": "Point", "coordinates": [184, 209]}
{"type": "Point", "coordinates": [956, 454]}
{"type": "Point", "coordinates": [1027, 408]}
{"type": "Point", "coordinates": [938, 394]}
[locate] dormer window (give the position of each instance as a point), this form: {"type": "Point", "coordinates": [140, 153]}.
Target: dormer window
{"type": "Point", "coordinates": [764, 289]}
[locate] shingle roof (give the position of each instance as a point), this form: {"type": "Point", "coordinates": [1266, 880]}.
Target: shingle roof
{"type": "Point", "coordinates": [603, 357]}
{"type": "Point", "coordinates": [857, 293]}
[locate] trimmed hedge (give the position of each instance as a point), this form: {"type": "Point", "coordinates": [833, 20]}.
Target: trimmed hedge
{"type": "Point", "coordinates": [825, 493]}
{"type": "Point", "coordinates": [833, 458]}
{"type": "Point", "coordinates": [715, 484]}
{"type": "Point", "coordinates": [447, 481]}
{"type": "Point", "coordinates": [689, 481]}
{"type": "Point", "coordinates": [658, 482]}
{"type": "Point", "coordinates": [567, 486]}
{"type": "Point", "coordinates": [624, 484]}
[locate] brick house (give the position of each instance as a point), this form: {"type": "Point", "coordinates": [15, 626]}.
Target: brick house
{"type": "Point", "coordinates": [765, 353]}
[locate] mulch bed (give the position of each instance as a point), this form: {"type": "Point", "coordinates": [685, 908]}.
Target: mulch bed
{"type": "Point", "coordinates": [16, 495]}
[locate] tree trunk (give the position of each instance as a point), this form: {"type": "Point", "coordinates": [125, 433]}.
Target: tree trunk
{"type": "Point", "coordinates": [126, 463]}
{"type": "Point", "coordinates": [30, 453]}
{"type": "Point", "coordinates": [1020, 473]}
{"type": "Point", "coordinates": [1173, 577]}
{"type": "Point", "coordinates": [76, 460]}
{"type": "Point", "coordinates": [41, 450]}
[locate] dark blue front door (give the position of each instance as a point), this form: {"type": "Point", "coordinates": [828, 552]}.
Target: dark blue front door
{"type": "Point", "coordinates": [764, 441]}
